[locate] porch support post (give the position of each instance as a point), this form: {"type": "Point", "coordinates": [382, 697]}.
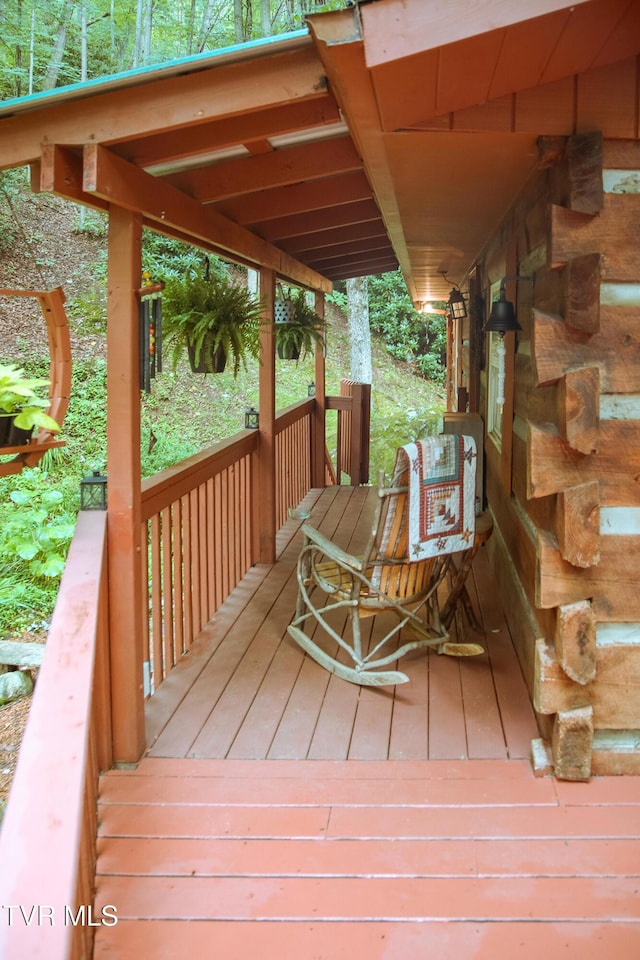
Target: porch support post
{"type": "Point", "coordinates": [123, 467]}
{"type": "Point", "coordinates": [318, 429]}
{"type": "Point", "coordinates": [265, 491]}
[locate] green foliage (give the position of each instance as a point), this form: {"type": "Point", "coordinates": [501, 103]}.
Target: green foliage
{"type": "Point", "coordinates": [409, 335]}
{"type": "Point", "coordinates": [19, 400]}
{"type": "Point", "coordinates": [299, 336]}
{"type": "Point", "coordinates": [35, 531]}
{"type": "Point", "coordinates": [202, 313]}
{"type": "Point", "coordinates": [389, 433]}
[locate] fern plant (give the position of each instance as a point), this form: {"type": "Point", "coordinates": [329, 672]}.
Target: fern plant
{"type": "Point", "coordinates": [304, 331]}
{"type": "Point", "coordinates": [209, 317]}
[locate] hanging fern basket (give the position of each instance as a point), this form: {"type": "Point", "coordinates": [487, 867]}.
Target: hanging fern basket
{"type": "Point", "coordinates": [208, 359]}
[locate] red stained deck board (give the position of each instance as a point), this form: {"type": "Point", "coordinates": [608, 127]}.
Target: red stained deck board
{"type": "Point", "coordinates": [385, 769]}
{"type": "Point", "coordinates": [428, 793]}
{"type": "Point", "coordinates": [371, 898]}
{"type": "Point", "coordinates": [170, 856]}
{"type": "Point", "coordinates": [375, 941]}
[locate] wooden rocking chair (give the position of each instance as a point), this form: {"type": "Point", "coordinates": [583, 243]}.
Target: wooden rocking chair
{"type": "Point", "coordinates": [394, 573]}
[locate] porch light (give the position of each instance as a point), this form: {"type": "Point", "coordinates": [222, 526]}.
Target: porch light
{"type": "Point", "coordinates": [457, 305]}
{"type": "Point", "coordinates": [251, 419]}
{"type": "Point", "coordinates": [93, 492]}
{"type": "Point", "coordinates": [311, 389]}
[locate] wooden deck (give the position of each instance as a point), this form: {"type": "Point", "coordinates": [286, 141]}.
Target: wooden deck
{"type": "Point", "coordinates": [286, 813]}
{"type": "Point", "coordinates": [246, 691]}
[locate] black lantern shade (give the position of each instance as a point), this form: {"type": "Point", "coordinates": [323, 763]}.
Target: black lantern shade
{"type": "Point", "coordinates": [251, 419]}
{"type": "Point", "coordinates": [93, 492]}
{"type": "Point", "coordinates": [457, 306]}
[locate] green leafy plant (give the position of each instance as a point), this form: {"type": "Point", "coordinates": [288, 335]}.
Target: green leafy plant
{"type": "Point", "coordinates": [207, 316]}
{"type": "Point", "coordinates": [35, 531]}
{"type": "Point", "coordinates": [19, 400]}
{"type": "Point", "coordinates": [304, 331]}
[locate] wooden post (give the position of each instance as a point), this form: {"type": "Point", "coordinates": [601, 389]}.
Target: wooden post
{"type": "Point", "coordinates": [318, 428]}
{"type": "Point", "coordinates": [265, 501]}
{"type": "Point", "coordinates": [126, 590]}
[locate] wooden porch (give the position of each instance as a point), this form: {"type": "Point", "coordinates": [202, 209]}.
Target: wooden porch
{"type": "Point", "coordinates": [281, 810]}
{"type": "Point", "coordinates": [246, 691]}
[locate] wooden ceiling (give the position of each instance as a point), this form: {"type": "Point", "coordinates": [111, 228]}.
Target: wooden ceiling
{"type": "Point", "coordinates": [395, 132]}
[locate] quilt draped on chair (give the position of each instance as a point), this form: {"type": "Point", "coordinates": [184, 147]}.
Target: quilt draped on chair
{"type": "Point", "coordinates": [441, 480]}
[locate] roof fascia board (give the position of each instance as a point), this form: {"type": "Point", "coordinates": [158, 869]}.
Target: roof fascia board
{"type": "Point", "coordinates": [183, 65]}
{"type": "Point", "coordinates": [394, 29]}
{"type": "Point", "coordinates": [350, 82]}
{"type": "Point", "coordinates": [168, 102]}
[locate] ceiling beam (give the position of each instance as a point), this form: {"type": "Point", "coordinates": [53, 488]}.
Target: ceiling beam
{"type": "Point", "coordinates": [304, 223]}
{"type": "Point", "coordinates": [339, 250]}
{"type": "Point", "coordinates": [326, 238]}
{"type": "Point", "coordinates": [172, 146]}
{"type": "Point", "coordinates": [175, 102]}
{"type": "Point", "coordinates": [254, 208]}
{"type": "Point", "coordinates": [121, 183]}
{"type": "Point", "coordinates": [308, 161]}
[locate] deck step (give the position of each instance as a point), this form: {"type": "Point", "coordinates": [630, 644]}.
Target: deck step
{"type": "Point", "coordinates": [311, 859]}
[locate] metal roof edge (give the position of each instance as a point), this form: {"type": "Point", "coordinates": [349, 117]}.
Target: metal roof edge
{"type": "Point", "coordinates": [198, 61]}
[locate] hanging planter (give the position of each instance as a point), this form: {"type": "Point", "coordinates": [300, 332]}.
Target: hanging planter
{"type": "Point", "coordinates": [212, 320]}
{"type": "Point", "coordinates": [298, 327]}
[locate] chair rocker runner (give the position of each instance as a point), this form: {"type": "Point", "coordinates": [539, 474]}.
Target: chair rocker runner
{"type": "Point", "coordinates": [425, 516]}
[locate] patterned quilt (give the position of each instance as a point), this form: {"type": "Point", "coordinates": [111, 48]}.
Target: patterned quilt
{"type": "Point", "coordinates": [442, 474]}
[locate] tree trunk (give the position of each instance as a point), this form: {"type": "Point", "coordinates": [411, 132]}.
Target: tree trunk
{"type": "Point", "coordinates": [265, 18]}
{"type": "Point", "coordinates": [60, 42]}
{"type": "Point", "coordinates": [359, 331]}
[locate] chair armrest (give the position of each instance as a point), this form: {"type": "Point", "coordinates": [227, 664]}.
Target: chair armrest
{"type": "Point", "coordinates": [330, 549]}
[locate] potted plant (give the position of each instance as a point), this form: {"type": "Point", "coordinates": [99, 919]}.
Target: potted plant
{"type": "Point", "coordinates": [298, 327]}
{"type": "Point", "coordinates": [211, 319]}
{"type": "Point", "coordinates": [21, 409]}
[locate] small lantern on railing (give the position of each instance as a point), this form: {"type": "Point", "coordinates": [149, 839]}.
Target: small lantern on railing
{"type": "Point", "coordinates": [93, 492]}
{"type": "Point", "coordinates": [251, 419]}
{"type": "Point", "coordinates": [311, 389]}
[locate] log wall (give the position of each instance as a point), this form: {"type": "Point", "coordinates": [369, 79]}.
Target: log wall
{"type": "Point", "coordinates": [564, 487]}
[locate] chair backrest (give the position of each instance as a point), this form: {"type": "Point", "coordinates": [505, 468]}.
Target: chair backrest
{"type": "Point", "coordinates": [445, 491]}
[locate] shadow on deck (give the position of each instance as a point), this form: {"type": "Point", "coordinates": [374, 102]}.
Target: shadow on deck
{"type": "Point", "coordinates": [250, 818]}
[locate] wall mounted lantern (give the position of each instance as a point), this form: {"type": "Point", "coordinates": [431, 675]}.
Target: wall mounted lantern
{"type": "Point", "coordinates": [311, 389]}
{"type": "Point", "coordinates": [457, 305]}
{"type": "Point", "coordinates": [251, 419]}
{"type": "Point", "coordinates": [93, 492]}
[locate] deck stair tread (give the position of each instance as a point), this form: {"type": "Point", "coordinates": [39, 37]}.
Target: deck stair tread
{"type": "Point", "coordinates": [312, 859]}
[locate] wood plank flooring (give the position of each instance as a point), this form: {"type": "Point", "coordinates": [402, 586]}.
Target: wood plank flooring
{"type": "Point", "coordinates": [286, 814]}
{"type": "Point", "coordinates": [246, 691]}
{"type": "Point", "coordinates": [379, 859]}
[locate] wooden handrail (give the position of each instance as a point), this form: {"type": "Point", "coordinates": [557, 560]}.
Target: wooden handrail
{"type": "Point", "coordinates": [164, 488]}
{"type": "Point", "coordinates": [48, 839]}
{"type": "Point", "coordinates": [293, 413]}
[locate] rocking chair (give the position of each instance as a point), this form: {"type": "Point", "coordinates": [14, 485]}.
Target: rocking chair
{"type": "Point", "coordinates": [422, 518]}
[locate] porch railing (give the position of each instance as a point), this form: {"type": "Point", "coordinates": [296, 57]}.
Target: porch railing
{"type": "Point", "coordinates": [292, 457]}
{"type": "Point", "coordinates": [197, 523]}
{"type": "Point", "coordinates": [199, 526]}
{"type": "Point", "coordinates": [48, 838]}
